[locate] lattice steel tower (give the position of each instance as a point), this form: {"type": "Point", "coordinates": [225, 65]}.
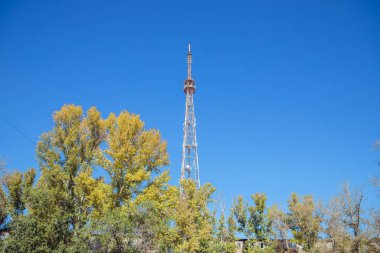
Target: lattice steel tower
{"type": "Point", "coordinates": [189, 168]}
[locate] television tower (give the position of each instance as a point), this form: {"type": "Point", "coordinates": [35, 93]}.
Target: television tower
{"type": "Point", "coordinates": [189, 168]}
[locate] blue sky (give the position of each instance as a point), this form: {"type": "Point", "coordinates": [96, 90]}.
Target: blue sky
{"type": "Point", "coordinates": [287, 98]}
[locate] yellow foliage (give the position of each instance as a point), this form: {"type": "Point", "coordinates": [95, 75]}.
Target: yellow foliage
{"type": "Point", "coordinates": [92, 193]}
{"type": "Point", "coordinates": [193, 221]}
{"type": "Point", "coordinates": [133, 154]}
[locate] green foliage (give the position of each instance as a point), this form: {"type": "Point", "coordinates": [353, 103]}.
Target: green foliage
{"type": "Point", "coordinates": [259, 221]}
{"type": "Point", "coordinates": [267, 249]}
{"type": "Point", "coordinates": [114, 231]}
{"type": "Point", "coordinates": [224, 235]}
{"type": "Point", "coordinates": [253, 221]}
{"type": "Point", "coordinates": [26, 236]}
{"type": "Point", "coordinates": [239, 210]}
{"type": "Point", "coordinates": [129, 229]}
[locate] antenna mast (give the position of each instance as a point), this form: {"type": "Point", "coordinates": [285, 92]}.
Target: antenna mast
{"type": "Point", "coordinates": [189, 168]}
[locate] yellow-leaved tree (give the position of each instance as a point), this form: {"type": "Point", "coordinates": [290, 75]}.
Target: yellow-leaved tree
{"type": "Point", "coordinates": [192, 219]}
{"type": "Point", "coordinates": [133, 154]}
{"type": "Point", "coordinates": [130, 208]}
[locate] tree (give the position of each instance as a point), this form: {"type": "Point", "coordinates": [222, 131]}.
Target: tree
{"type": "Point", "coordinates": [373, 231]}
{"type": "Point", "coordinates": [192, 220]}
{"type": "Point", "coordinates": [344, 222]}
{"type": "Point", "coordinates": [350, 201]}
{"type": "Point", "coordinates": [17, 186]}
{"type": "Point", "coordinates": [158, 197]}
{"type": "Point", "coordinates": [70, 148]}
{"type": "Point", "coordinates": [136, 218]}
{"type": "Point", "coordinates": [94, 196]}
{"type": "Point", "coordinates": [26, 236]}
{"type": "Point", "coordinates": [57, 203]}
{"type": "Point", "coordinates": [133, 154]}
{"type": "Point", "coordinates": [239, 210]}
{"type": "Point", "coordinates": [231, 227]}
{"type": "Point", "coordinates": [259, 220]}
{"type": "Point", "coordinates": [280, 226]}
{"type": "Point", "coordinates": [253, 221]}
{"type": "Point", "coordinates": [67, 204]}
{"type": "Point", "coordinates": [140, 224]}
{"type": "Point", "coordinates": [12, 201]}
{"type": "Point", "coordinates": [303, 220]}
{"type": "Point", "coordinates": [115, 231]}
{"type": "Point", "coordinates": [334, 227]}
{"type": "Point", "coordinates": [225, 234]}
{"type": "Point", "coordinates": [13, 184]}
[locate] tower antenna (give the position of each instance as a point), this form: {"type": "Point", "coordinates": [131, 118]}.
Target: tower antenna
{"type": "Point", "coordinates": [190, 167]}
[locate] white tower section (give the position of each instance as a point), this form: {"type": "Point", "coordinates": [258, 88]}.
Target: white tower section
{"type": "Point", "coordinates": [190, 168]}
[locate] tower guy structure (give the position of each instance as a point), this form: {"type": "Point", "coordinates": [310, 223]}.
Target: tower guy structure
{"type": "Point", "coordinates": [190, 168]}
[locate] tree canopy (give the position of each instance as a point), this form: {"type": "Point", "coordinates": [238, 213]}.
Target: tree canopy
{"type": "Point", "coordinates": [63, 207]}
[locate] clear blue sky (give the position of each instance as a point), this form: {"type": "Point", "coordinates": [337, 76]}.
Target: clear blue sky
{"type": "Point", "coordinates": [288, 91]}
